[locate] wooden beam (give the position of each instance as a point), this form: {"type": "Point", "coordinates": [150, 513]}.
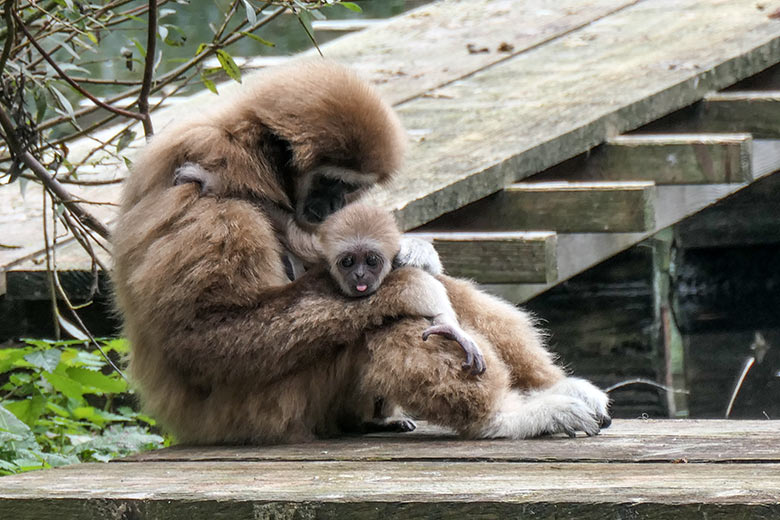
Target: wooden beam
{"type": "Point", "coordinates": [497, 257]}
{"type": "Point", "coordinates": [664, 159]}
{"type": "Point", "coordinates": [558, 206]}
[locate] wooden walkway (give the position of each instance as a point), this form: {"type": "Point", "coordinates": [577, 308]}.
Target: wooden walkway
{"type": "Point", "coordinates": [493, 92]}
{"type": "Point", "coordinates": [636, 469]}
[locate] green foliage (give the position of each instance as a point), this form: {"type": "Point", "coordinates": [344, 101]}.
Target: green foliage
{"type": "Point", "coordinates": [60, 404]}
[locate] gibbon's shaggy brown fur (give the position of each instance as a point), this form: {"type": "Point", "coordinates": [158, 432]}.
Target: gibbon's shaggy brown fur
{"type": "Point", "coordinates": [226, 350]}
{"type": "Point", "coordinates": [359, 243]}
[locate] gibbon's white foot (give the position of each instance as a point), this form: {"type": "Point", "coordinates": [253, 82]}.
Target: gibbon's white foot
{"type": "Point", "coordinates": [416, 252]}
{"type": "Point", "coordinates": [521, 416]}
{"type": "Point", "coordinates": [596, 399]}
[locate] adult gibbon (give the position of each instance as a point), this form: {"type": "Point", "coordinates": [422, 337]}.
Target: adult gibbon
{"type": "Point", "coordinates": [225, 349]}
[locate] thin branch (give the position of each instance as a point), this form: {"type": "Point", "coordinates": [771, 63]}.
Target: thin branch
{"type": "Point", "coordinates": [643, 381]}
{"type": "Point", "coordinates": [146, 86]}
{"type": "Point", "coordinates": [170, 76]}
{"type": "Point", "coordinates": [69, 81]}
{"type": "Point", "coordinates": [50, 182]}
{"type": "Point", "coordinates": [50, 268]}
{"type": "Point", "coordinates": [11, 31]}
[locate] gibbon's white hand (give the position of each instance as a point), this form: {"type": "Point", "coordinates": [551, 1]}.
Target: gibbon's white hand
{"type": "Point", "coordinates": [416, 252]}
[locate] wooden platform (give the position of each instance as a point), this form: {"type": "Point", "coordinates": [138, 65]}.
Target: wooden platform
{"type": "Point", "coordinates": [635, 469]}
{"type": "Point", "coordinates": [493, 92]}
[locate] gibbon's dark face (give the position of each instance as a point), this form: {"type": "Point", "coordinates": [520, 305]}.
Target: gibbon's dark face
{"type": "Point", "coordinates": [361, 271]}
{"type": "Point", "coordinates": [325, 190]}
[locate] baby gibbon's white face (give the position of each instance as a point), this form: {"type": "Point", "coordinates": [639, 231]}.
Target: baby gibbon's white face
{"type": "Point", "coordinates": [360, 271]}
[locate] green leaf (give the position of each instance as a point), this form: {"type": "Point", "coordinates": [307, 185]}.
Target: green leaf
{"type": "Point", "coordinates": [11, 424]}
{"type": "Point", "coordinates": [138, 46]}
{"type": "Point", "coordinates": [228, 65]}
{"type": "Point", "coordinates": [66, 386]}
{"type": "Point", "coordinates": [120, 345]}
{"type": "Point", "coordinates": [64, 103]}
{"type": "Point", "coordinates": [46, 359]}
{"type": "Point", "coordinates": [251, 16]}
{"type": "Point", "coordinates": [351, 6]}
{"type": "Point", "coordinates": [175, 37]}
{"type": "Point", "coordinates": [59, 410]}
{"type": "Point", "coordinates": [10, 356]}
{"type": "Point", "coordinates": [202, 47]}
{"type": "Point", "coordinates": [97, 381]}
{"type": "Point", "coordinates": [209, 84]}
{"type": "Point", "coordinates": [27, 410]}
{"type": "Point", "coordinates": [259, 39]}
{"type": "Point", "coordinates": [125, 139]}
{"type": "Point", "coordinates": [40, 105]}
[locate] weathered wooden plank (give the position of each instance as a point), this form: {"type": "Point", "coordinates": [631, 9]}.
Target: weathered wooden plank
{"type": "Point", "coordinates": [567, 207]}
{"type": "Point", "coordinates": [497, 257]}
{"type": "Point", "coordinates": [739, 111]}
{"type": "Point", "coordinates": [422, 489]}
{"type": "Point", "coordinates": [432, 52]}
{"type": "Point", "coordinates": [344, 25]}
{"type": "Point", "coordinates": [479, 134]}
{"type": "Point", "coordinates": [625, 441]}
{"type": "Point", "coordinates": [664, 159]}
{"type": "Point", "coordinates": [579, 251]}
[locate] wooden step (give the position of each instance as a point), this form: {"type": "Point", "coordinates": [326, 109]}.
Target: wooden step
{"type": "Point", "coordinates": [509, 257]}
{"type": "Point", "coordinates": [566, 207]}
{"type": "Point", "coordinates": [659, 469]}
{"type": "Point", "coordinates": [577, 252]}
{"type": "Point", "coordinates": [755, 112]}
{"type": "Point", "coordinates": [664, 159]}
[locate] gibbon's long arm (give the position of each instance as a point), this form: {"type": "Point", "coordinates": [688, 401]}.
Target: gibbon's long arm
{"type": "Point", "coordinates": [288, 327]}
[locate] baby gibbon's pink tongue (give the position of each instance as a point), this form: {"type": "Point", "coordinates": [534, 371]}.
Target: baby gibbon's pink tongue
{"type": "Point", "coordinates": [361, 288]}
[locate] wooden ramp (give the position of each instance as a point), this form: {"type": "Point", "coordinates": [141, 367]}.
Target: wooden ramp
{"type": "Point", "coordinates": [636, 469]}
{"type": "Point", "coordinates": [493, 92]}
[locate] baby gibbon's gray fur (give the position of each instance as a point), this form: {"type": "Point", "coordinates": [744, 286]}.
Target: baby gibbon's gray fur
{"type": "Point", "coordinates": [224, 349]}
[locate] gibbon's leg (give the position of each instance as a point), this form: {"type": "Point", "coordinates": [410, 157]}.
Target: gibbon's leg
{"type": "Point", "coordinates": [426, 379]}
{"type": "Point", "coordinates": [519, 344]}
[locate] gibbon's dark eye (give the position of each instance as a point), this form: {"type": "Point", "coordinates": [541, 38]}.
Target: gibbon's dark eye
{"type": "Point", "coordinates": [347, 261]}
{"type": "Point", "coordinates": [372, 260]}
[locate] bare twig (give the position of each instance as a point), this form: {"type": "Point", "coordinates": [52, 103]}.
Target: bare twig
{"type": "Point", "coordinates": [643, 381]}
{"type": "Point", "coordinates": [749, 362]}
{"type": "Point", "coordinates": [170, 76]}
{"type": "Point", "coordinates": [146, 86]}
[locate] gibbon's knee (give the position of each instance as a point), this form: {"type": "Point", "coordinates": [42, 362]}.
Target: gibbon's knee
{"type": "Point", "coordinates": [426, 378]}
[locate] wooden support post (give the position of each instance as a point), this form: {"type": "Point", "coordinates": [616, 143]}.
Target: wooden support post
{"type": "Point", "coordinates": [497, 257]}
{"type": "Point", "coordinates": [667, 159]}
{"type": "Point", "coordinates": [558, 206]}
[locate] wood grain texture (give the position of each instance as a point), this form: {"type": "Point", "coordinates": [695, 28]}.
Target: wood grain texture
{"type": "Point", "coordinates": [479, 134]}
{"type": "Point", "coordinates": [665, 159]}
{"type": "Point", "coordinates": [497, 257]}
{"type": "Point", "coordinates": [626, 441]}
{"type": "Point", "coordinates": [565, 207]}
{"type": "Point", "coordinates": [637, 469]}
